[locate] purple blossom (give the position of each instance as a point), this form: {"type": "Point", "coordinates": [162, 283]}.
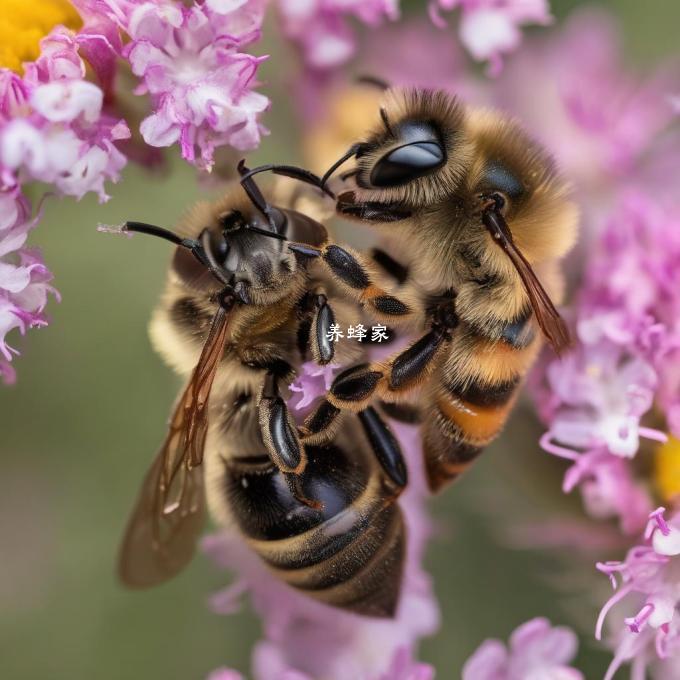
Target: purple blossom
{"type": "Point", "coordinates": [321, 30]}
{"type": "Point", "coordinates": [305, 639]}
{"type": "Point", "coordinates": [536, 651]}
{"type": "Point", "coordinates": [52, 127]}
{"type": "Point", "coordinates": [190, 62]}
{"type": "Point", "coordinates": [595, 398]}
{"type": "Point", "coordinates": [649, 577]}
{"type": "Point", "coordinates": [24, 278]}
{"type": "Point", "coordinates": [312, 381]}
{"type": "Point", "coordinates": [633, 287]}
{"type": "Point", "coordinates": [490, 28]}
{"type": "Point", "coordinates": [598, 395]}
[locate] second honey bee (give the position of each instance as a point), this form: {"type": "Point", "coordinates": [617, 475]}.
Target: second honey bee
{"type": "Point", "coordinates": [470, 209]}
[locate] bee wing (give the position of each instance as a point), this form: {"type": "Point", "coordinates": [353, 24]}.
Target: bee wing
{"type": "Point", "coordinates": [161, 534]}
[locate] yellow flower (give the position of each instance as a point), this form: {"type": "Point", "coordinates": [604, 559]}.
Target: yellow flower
{"type": "Point", "coordinates": [667, 469]}
{"type": "Point", "coordinates": [23, 23]}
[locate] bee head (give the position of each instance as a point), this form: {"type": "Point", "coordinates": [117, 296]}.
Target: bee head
{"type": "Point", "coordinates": [414, 157]}
{"type": "Point", "coordinates": [236, 241]}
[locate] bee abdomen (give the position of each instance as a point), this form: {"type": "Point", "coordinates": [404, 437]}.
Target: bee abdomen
{"type": "Point", "coordinates": [467, 416]}
{"type": "Point", "coordinates": [362, 575]}
{"type": "Point", "coordinates": [349, 554]}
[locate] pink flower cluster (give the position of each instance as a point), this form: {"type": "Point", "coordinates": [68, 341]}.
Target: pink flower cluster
{"type": "Point", "coordinates": [613, 133]}
{"type": "Point", "coordinates": [52, 126]}
{"type": "Point", "coordinates": [190, 61]}
{"type": "Point", "coordinates": [52, 129]}
{"type": "Point", "coordinates": [649, 576]}
{"type": "Point", "coordinates": [628, 347]}
{"type": "Point", "coordinates": [24, 278]}
{"type": "Point", "coordinates": [488, 29]}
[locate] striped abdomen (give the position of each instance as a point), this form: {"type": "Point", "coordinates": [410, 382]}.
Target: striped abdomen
{"type": "Point", "coordinates": [349, 555]}
{"type": "Point", "coordinates": [476, 390]}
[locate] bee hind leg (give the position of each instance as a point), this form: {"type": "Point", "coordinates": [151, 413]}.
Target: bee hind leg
{"type": "Point", "coordinates": [355, 387]}
{"type": "Point", "coordinates": [321, 338]}
{"type": "Point", "coordinates": [281, 438]}
{"type": "Point", "coordinates": [386, 449]}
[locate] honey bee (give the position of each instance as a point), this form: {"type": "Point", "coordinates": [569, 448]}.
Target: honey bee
{"type": "Point", "coordinates": [239, 315]}
{"type": "Point", "coordinates": [471, 209]}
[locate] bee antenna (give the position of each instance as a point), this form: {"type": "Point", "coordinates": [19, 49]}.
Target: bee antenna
{"type": "Point", "coordinates": [277, 219]}
{"type": "Point", "coordinates": [353, 150]}
{"type": "Point", "coordinates": [289, 171]}
{"type": "Point", "coordinates": [153, 230]}
{"type": "Point", "coordinates": [264, 232]}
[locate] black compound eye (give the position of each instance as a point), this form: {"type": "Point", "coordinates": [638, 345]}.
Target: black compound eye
{"type": "Point", "coordinates": [420, 153]}
{"type": "Point", "coordinates": [407, 163]}
{"type": "Point", "coordinates": [501, 179]}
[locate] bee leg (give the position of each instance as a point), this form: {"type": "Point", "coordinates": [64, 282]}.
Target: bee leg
{"type": "Point", "coordinates": [323, 345]}
{"type": "Point", "coordinates": [281, 439]}
{"type": "Point", "coordinates": [349, 269]}
{"type": "Point", "coordinates": [386, 449]}
{"type": "Point", "coordinates": [355, 387]}
{"type": "Point", "coordinates": [320, 425]}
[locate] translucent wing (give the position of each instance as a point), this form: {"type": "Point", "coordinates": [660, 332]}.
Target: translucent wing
{"type": "Point", "coordinates": [161, 535]}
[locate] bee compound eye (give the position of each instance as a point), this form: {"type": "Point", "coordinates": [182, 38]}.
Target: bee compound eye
{"type": "Point", "coordinates": [406, 163]}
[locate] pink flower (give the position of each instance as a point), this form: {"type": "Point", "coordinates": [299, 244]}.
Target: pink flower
{"type": "Point", "coordinates": [607, 486]}
{"type": "Point", "coordinates": [306, 639]}
{"type": "Point", "coordinates": [189, 60]}
{"type": "Point", "coordinates": [312, 381]}
{"type": "Point", "coordinates": [633, 291]}
{"type": "Point", "coordinates": [599, 393]}
{"type": "Point", "coordinates": [24, 278]}
{"type": "Point", "coordinates": [52, 128]}
{"type": "Point", "coordinates": [649, 574]}
{"type": "Point", "coordinates": [536, 652]}
{"type": "Point", "coordinates": [625, 360]}
{"type": "Point", "coordinates": [490, 28]}
{"type": "Point", "coordinates": [321, 30]}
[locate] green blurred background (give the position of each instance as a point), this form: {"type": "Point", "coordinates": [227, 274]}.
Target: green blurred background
{"type": "Point", "coordinates": [87, 415]}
